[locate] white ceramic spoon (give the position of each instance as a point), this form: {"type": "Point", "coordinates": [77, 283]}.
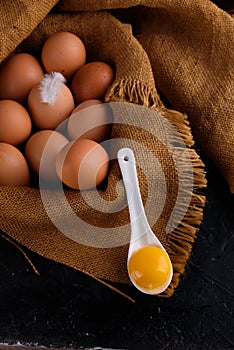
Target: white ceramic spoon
{"type": "Point", "coordinates": [141, 233]}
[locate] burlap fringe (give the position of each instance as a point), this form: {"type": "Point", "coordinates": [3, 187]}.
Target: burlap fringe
{"type": "Point", "coordinates": [180, 241]}
{"type": "Point", "coordinates": [133, 91]}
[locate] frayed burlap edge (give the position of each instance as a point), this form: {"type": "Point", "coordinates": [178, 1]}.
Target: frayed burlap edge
{"type": "Point", "coordinates": [180, 241]}
{"type": "Point", "coordinates": [133, 91]}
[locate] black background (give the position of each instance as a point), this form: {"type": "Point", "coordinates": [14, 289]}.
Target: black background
{"type": "Point", "coordinates": [63, 307]}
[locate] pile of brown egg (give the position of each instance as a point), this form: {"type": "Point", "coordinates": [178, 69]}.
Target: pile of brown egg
{"type": "Point", "coordinates": [41, 99]}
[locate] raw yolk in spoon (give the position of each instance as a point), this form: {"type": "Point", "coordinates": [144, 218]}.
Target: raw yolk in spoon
{"type": "Point", "coordinates": [149, 267]}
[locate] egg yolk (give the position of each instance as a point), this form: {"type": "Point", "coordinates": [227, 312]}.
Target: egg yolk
{"type": "Point", "coordinates": [149, 267]}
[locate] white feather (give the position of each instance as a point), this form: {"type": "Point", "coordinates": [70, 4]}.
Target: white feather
{"type": "Point", "coordinates": [50, 87]}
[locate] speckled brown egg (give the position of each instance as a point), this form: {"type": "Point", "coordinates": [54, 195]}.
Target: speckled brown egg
{"type": "Point", "coordinates": [14, 170]}
{"type": "Point", "coordinates": [63, 52]}
{"type": "Point", "coordinates": [15, 122]}
{"type": "Point", "coordinates": [82, 164]}
{"type": "Point", "coordinates": [91, 81]}
{"type": "Point", "coordinates": [18, 75]}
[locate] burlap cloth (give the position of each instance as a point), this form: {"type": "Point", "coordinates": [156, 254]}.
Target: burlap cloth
{"type": "Point", "coordinates": [185, 49]}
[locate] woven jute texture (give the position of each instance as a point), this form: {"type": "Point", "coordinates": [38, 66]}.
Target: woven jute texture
{"type": "Point", "coordinates": [18, 19]}
{"type": "Point", "coordinates": [190, 47]}
{"type": "Point", "coordinates": [168, 50]}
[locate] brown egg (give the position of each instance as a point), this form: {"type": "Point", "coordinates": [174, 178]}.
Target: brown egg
{"type": "Point", "coordinates": [91, 81]}
{"type": "Point", "coordinates": [49, 112]}
{"type": "Point", "coordinates": [18, 75]}
{"type": "Point", "coordinates": [41, 151]}
{"type": "Point", "coordinates": [82, 164]}
{"type": "Point", "coordinates": [90, 120]}
{"type": "Point", "coordinates": [14, 169]}
{"type": "Point", "coordinates": [15, 122]}
{"type": "Point", "coordinates": [63, 52]}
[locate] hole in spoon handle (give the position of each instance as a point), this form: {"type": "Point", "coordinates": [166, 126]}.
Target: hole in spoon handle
{"type": "Point", "coordinates": [126, 154]}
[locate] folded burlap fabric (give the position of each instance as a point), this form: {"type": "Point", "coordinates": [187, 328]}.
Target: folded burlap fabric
{"type": "Point", "coordinates": [159, 57]}
{"type": "Point", "coordinates": [190, 46]}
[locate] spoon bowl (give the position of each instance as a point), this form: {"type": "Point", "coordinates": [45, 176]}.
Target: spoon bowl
{"type": "Point", "coordinates": [149, 266]}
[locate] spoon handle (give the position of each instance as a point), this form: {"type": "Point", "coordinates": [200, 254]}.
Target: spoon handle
{"type": "Point", "coordinates": [139, 223]}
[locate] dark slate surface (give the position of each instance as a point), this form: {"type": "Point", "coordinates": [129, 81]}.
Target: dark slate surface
{"type": "Point", "coordinates": [62, 307]}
